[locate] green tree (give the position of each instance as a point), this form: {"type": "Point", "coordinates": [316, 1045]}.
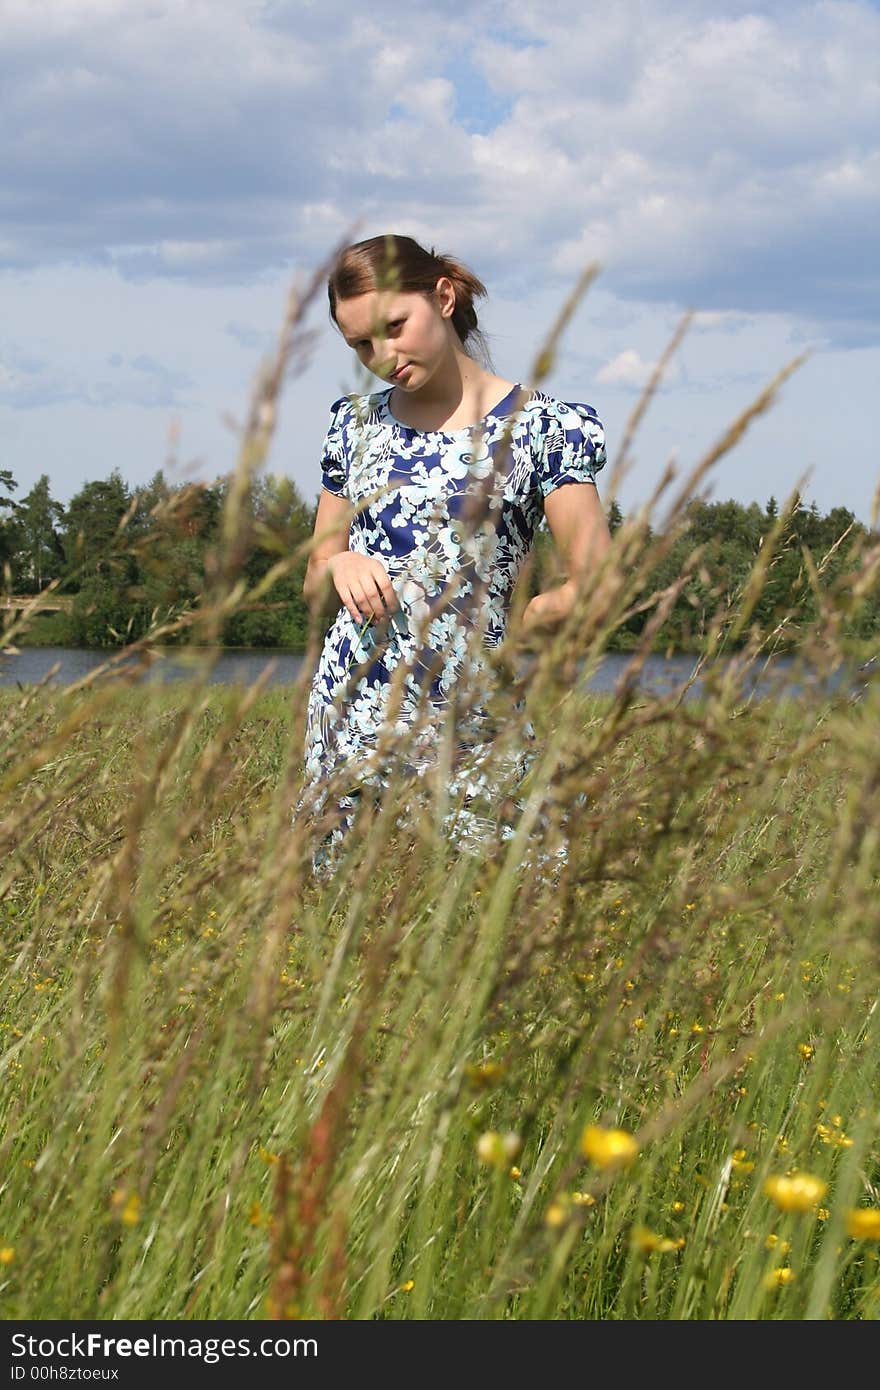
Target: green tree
{"type": "Point", "coordinates": [100, 614]}
{"type": "Point", "coordinates": [100, 563]}
{"type": "Point", "coordinates": [39, 556]}
{"type": "Point", "coordinates": [281, 522]}
{"type": "Point", "coordinates": [615, 516]}
{"type": "Point", "coordinates": [92, 543]}
{"type": "Point", "coordinates": [8, 530]}
{"type": "Point", "coordinates": [170, 529]}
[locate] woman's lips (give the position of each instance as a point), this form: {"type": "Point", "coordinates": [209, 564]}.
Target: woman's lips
{"type": "Point", "coordinates": [400, 371]}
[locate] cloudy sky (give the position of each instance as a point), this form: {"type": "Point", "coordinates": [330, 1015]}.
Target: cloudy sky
{"type": "Point", "coordinates": [170, 167]}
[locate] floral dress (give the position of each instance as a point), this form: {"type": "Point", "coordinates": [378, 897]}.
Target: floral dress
{"type": "Point", "coordinates": [452, 516]}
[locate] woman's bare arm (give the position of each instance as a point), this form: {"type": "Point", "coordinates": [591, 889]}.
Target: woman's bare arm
{"type": "Point", "coordinates": [332, 526]}
{"type": "Point", "coordinates": [580, 532]}
{"type": "Point", "coordinates": [361, 582]}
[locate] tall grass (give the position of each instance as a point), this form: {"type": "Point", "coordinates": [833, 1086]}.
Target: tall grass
{"type": "Point", "coordinates": [233, 1089]}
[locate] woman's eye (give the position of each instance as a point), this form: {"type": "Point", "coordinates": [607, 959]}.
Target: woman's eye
{"type": "Point", "coordinates": [396, 323]}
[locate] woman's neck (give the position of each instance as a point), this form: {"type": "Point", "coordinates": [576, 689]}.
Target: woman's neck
{"type": "Point", "coordinates": [453, 403]}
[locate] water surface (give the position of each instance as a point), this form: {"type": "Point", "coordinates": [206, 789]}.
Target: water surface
{"type": "Point", "coordinates": [59, 666]}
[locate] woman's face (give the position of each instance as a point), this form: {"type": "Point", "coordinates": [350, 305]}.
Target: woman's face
{"type": "Point", "coordinates": [399, 337]}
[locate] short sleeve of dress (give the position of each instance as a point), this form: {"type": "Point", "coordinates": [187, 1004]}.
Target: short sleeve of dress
{"type": "Point", "coordinates": [571, 447]}
{"type": "Point", "coordinates": [334, 473]}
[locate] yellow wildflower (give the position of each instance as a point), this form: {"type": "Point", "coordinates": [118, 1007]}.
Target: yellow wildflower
{"type": "Point", "coordinates": [496, 1150]}
{"type": "Point", "coordinates": [483, 1075]}
{"type": "Point", "coordinates": [650, 1242]}
{"type": "Point", "coordinates": [828, 1136]}
{"type": "Point", "coordinates": [773, 1241]}
{"type": "Point", "coordinates": [127, 1206]}
{"type": "Point", "coordinates": [863, 1223]}
{"type": "Point", "coordinates": [7, 1254]}
{"type": "Point", "coordinates": [806, 1051]}
{"type": "Point", "coordinates": [740, 1163]}
{"type": "Point", "coordinates": [583, 1199]}
{"type": "Point", "coordinates": [678, 1207]}
{"type": "Point", "coordinates": [777, 1277]}
{"type": "Point", "coordinates": [608, 1148]}
{"type": "Point", "coordinates": [799, 1192]}
{"type": "Point", "coordinates": [408, 1286]}
{"type": "Point", "coordinates": [557, 1213]}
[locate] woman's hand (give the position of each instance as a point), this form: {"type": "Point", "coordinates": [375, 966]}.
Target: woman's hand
{"type": "Point", "coordinates": [546, 611]}
{"type": "Point", "coordinates": [363, 584]}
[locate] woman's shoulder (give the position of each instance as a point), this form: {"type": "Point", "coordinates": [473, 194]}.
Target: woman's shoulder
{"type": "Point", "coordinates": [548, 412]}
{"type": "Point", "coordinates": [359, 408]}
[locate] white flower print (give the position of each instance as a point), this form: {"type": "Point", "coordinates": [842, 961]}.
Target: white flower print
{"type": "Point", "coordinates": [420, 526]}
{"type": "Point", "coordinates": [412, 597]}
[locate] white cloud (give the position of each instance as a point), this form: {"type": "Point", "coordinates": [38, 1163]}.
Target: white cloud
{"type": "Point", "coordinates": [626, 369]}
{"type": "Point", "coordinates": [88, 413]}
{"type": "Point", "coordinates": [725, 157]}
{"type": "Point", "coordinates": [166, 166]}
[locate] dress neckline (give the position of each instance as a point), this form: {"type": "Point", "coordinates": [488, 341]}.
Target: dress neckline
{"type": "Point", "coordinates": [497, 410]}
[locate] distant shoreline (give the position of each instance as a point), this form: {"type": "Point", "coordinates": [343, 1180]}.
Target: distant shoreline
{"type": "Point", "coordinates": [617, 648]}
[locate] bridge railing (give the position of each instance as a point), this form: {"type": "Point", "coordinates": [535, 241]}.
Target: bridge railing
{"type": "Point", "coordinates": [52, 603]}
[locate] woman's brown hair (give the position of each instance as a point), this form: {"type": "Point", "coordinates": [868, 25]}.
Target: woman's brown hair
{"type": "Point", "coordinates": [400, 263]}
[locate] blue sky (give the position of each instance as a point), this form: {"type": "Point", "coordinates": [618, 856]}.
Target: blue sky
{"type": "Point", "coordinates": [169, 167]}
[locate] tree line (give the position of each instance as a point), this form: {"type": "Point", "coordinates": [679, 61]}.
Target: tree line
{"type": "Point", "coordinates": [129, 557]}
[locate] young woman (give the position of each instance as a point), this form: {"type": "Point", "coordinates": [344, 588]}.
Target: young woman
{"type": "Point", "coordinates": [433, 488]}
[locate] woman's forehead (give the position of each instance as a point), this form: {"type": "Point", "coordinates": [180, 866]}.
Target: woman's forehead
{"type": "Point", "coordinates": [368, 312]}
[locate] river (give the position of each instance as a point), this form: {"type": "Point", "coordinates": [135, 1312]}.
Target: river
{"type": "Point", "coordinates": [781, 675]}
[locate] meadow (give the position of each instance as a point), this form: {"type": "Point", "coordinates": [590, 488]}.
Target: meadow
{"type": "Point", "coordinates": [229, 1094]}
{"type": "Point", "coordinates": [635, 1081]}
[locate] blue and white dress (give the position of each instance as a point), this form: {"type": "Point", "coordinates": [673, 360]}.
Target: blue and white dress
{"type": "Point", "coordinates": [452, 515]}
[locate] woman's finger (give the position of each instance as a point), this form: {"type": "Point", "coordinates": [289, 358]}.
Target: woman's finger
{"type": "Point", "coordinates": [367, 601]}
{"type": "Point", "coordinates": [384, 602]}
{"type": "Point", "coordinates": [368, 604]}
{"type": "Point", "coordinates": [382, 580]}
{"type": "Point", "coordinates": [377, 600]}
{"type": "Point", "coordinates": [348, 599]}
{"type": "Point", "coordinates": [388, 592]}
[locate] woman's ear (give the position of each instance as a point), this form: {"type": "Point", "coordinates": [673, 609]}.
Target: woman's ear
{"type": "Point", "coordinates": [444, 293]}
